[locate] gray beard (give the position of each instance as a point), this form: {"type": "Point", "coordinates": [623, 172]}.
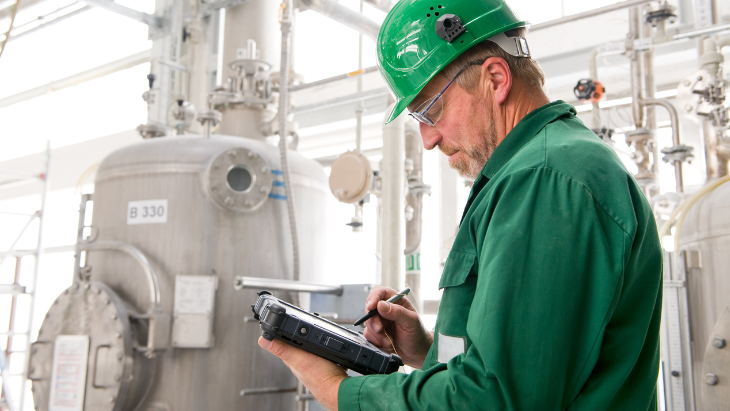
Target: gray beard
{"type": "Point", "coordinates": [479, 155]}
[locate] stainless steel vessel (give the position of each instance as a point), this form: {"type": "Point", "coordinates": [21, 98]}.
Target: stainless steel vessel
{"type": "Point", "coordinates": [704, 240]}
{"type": "Point", "coordinates": [202, 211]}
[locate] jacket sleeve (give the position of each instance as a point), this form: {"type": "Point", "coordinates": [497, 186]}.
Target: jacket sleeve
{"type": "Point", "coordinates": [550, 271]}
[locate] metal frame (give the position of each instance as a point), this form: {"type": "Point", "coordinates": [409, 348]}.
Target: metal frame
{"type": "Point", "coordinates": [16, 289]}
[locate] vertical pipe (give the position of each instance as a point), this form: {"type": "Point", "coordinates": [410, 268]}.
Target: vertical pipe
{"type": "Point", "coordinates": [650, 93]}
{"type": "Point", "coordinates": [261, 17]}
{"type": "Point", "coordinates": [80, 236]}
{"type": "Point", "coordinates": [393, 195]}
{"type": "Point", "coordinates": [636, 72]}
{"type": "Point", "coordinates": [198, 62]}
{"type": "Point", "coordinates": [597, 122]}
{"type": "Point", "coordinates": [414, 152]}
{"type": "Point", "coordinates": [359, 109]}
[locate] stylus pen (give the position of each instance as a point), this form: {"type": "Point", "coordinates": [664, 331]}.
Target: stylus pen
{"type": "Point", "coordinates": [372, 313]}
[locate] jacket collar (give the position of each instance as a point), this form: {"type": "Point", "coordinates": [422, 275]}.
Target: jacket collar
{"type": "Point", "coordinates": [523, 133]}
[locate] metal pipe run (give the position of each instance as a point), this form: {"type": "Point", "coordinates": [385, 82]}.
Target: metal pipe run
{"type": "Point", "coordinates": [47, 20]}
{"type": "Point", "coordinates": [591, 13]}
{"type": "Point", "coordinates": [331, 79]}
{"type": "Point", "coordinates": [676, 134]}
{"type": "Point", "coordinates": [132, 251]}
{"type": "Point", "coordinates": [702, 32]}
{"type": "Point", "coordinates": [146, 18]}
{"type": "Point", "coordinates": [342, 14]}
{"type": "Point", "coordinates": [285, 285]}
{"type": "Point", "coordinates": [269, 390]}
{"type": "Point", "coordinates": [341, 100]}
{"type": "Point", "coordinates": [393, 203]}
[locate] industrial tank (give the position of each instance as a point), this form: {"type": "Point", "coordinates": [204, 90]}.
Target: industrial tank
{"type": "Point", "coordinates": [202, 211]}
{"type": "Point", "coordinates": [704, 241]}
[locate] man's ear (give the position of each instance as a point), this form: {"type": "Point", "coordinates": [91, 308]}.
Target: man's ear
{"type": "Point", "coordinates": [496, 79]}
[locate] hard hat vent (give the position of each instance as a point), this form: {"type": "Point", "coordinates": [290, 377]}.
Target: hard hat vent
{"type": "Point", "coordinates": [435, 13]}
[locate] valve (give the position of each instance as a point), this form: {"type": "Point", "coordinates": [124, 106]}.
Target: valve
{"type": "Point", "coordinates": [589, 90]}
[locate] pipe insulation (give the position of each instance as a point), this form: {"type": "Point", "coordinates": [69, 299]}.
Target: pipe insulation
{"type": "Point", "coordinates": [346, 16]}
{"type": "Point", "coordinates": [393, 203]}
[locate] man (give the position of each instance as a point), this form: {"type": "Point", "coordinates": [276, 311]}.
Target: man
{"type": "Point", "coordinates": [552, 290]}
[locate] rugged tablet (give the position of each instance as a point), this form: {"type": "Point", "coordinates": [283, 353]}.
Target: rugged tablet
{"type": "Point", "coordinates": [326, 339]}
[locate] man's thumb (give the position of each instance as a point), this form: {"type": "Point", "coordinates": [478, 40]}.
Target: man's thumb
{"type": "Point", "coordinates": [390, 311]}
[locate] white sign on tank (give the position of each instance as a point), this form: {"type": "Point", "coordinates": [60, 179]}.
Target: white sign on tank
{"type": "Point", "coordinates": [147, 212]}
{"type": "Point", "coordinates": [68, 378]}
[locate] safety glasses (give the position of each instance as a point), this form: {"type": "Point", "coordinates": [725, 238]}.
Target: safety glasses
{"type": "Point", "coordinates": [430, 111]}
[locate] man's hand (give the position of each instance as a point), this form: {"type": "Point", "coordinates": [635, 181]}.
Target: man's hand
{"type": "Point", "coordinates": [322, 377]}
{"type": "Point", "coordinates": [400, 320]}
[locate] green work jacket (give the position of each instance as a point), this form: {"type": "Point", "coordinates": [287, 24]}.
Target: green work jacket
{"type": "Point", "coordinates": [552, 290]}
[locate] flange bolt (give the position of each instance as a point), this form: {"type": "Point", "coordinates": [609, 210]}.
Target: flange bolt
{"type": "Point", "coordinates": [711, 379]}
{"type": "Point", "coordinates": [718, 342]}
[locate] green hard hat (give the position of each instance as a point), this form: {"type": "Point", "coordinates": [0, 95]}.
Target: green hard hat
{"type": "Point", "coordinates": [420, 37]}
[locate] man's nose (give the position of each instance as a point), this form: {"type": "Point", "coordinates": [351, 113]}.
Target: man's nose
{"type": "Point", "coordinates": [429, 135]}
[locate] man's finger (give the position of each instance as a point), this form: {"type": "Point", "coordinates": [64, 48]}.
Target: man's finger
{"type": "Point", "coordinates": [398, 314]}
{"type": "Point", "coordinates": [383, 293]}
{"type": "Point", "coordinates": [378, 294]}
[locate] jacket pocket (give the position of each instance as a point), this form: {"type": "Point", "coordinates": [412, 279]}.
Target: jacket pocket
{"type": "Point", "coordinates": [457, 269]}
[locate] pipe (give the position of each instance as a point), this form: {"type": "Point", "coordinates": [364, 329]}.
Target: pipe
{"type": "Point", "coordinates": [591, 13]}
{"type": "Point", "coordinates": [342, 14]}
{"type": "Point", "coordinates": [676, 134]}
{"type": "Point", "coordinates": [636, 72]}
{"type": "Point", "coordinates": [269, 390]}
{"type": "Point", "coordinates": [331, 79]}
{"type": "Point", "coordinates": [650, 90]}
{"type": "Point", "coordinates": [378, 92]}
{"type": "Point", "coordinates": [393, 196]}
{"type": "Point", "coordinates": [132, 251]}
{"type": "Point", "coordinates": [414, 227]}
{"type": "Point", "coordinates": [702, 32]}
{"type": "Point", "coordinates": [47, 20]}
{"type": "Point", "coordinates": [597, 122]}
{"type": "Point", "coordinates": [384, 5]}
{"type": "Point", "coordinates": [283, 114]}
{"type": "Point", "coordinates": [80, 235]}
{"type": "Point", "coordinates": [285, 285]}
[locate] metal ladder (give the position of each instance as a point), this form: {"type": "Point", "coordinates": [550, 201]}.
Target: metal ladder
{"type": "Point", "coordinates": [13, 397]}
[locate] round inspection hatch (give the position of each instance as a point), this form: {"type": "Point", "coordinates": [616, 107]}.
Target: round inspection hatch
{"type": "Point", "coordinates": [239, 179]}
{"type": "Point", "coordinates": [93, 311]}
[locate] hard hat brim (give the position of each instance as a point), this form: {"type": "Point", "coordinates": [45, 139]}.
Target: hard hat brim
{"type": "Point", "coordinates": [399, 107]}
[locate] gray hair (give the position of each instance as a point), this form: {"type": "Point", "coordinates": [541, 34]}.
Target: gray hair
{"type": "Point", "coordinates": [525, 69]}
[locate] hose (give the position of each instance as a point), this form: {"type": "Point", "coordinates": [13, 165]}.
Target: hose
{"type": "Point", "coordinates": [684, 208]}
